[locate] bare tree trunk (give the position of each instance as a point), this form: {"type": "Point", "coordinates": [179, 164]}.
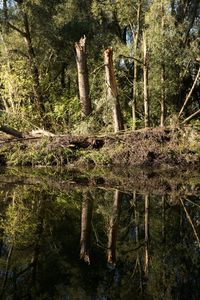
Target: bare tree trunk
{"type": "Point", "coordinates": [113, 228]}
{"type": "Point", "coordinates": [86, 218]}
{"type": "Point", "coordinates": [145, 74]}
{"type": "Point", "coordinates": [33, 66]}
{"type": "Point", "coordinates": [162, 103]}
{"type": "Point", "coordinates": [83, 81]}
{"type": "Point", "coordinates": [112, 90]}
{"type": "Point", "coordinates": [135, 71]}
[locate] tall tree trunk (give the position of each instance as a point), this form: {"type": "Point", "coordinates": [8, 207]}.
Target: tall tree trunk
{"type": "Point", "coordinates": [33, 66]}
{"type": "Point", "coordinates": [162, 103]}
{"type": "Point", "coordinates": [25, 33]}
{"type": "Point", "coordinates": [135, 71]}
{"type": "Point", "coordinates": [86, 217]}
{"type": "Point", "coordinates": [113, 228]}
{"type": "Point", "coordinates": [83, 81]}
{"type": "Point", "coordinates": [145, 74]}
{"type": "Point", "coordinates": [113, 96]}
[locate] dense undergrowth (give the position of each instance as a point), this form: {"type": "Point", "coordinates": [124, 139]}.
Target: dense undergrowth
{"type": "Point", "coordinates": [147, 148]}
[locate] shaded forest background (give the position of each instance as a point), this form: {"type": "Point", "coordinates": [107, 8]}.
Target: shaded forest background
{"type": "Point", "coordinates": [156, 59]}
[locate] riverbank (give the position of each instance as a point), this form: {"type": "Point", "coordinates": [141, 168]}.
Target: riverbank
{"type": "Point", "coordinates": [150, 148]}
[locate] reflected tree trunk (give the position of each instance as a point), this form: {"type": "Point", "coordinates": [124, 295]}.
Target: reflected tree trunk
{"type": "Point", "coordinates": [113, 228]}
{"type": "Point", "coordinates": [146, 228]}
{"type": "Point", "coordinates": [136, 218]}
{"type": "Point", "coordinates": [163, 218]}
{"type": "Point", "coordinates": [86, 226]}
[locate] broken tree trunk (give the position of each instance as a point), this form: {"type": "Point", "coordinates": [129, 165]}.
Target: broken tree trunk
{"type": "Point", "coordinates": [112, 90]}
{"type": "Point", "coordinates": [83, 81]}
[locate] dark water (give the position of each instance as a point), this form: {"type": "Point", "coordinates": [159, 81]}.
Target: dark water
{"type": "Point", "coordinates": [99, 235]}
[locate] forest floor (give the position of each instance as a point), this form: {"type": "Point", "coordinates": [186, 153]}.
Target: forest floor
{"type": "Point", "coordinates": [148, 148]}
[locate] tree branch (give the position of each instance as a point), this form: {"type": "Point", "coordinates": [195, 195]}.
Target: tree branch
{"type": "Point", "coordinates": [131, 57]}
{"type": "Point", "coordinates": [191, 116]}
{"type": "Point", "coordinates": [190, 93]}
{"type": "Point", "coordinates": [16, 29]}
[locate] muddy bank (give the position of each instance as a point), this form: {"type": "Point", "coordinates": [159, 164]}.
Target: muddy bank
{"type": "Point", "coordinates": [152, 148]}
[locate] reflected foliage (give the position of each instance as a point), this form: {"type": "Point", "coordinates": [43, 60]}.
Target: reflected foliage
{"type": "Point", "coordinates": [81, 241]}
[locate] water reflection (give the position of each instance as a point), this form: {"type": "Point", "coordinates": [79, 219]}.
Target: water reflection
{"type": "Point", "coordinates": [74, 237]}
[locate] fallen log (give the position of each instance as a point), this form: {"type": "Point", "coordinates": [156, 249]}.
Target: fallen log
{"type": "Point", "coordinates": [11, 131]}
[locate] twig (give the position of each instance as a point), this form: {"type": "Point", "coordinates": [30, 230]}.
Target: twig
{"type": "Point", "coordinates": [192, 202]}
{"type": "Point", "coordinates": [97, 239]}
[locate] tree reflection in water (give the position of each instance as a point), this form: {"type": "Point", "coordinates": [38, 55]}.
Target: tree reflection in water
{"type": "Point", "coordinates": [82, 241]}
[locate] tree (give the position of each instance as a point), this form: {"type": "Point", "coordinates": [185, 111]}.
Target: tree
{"type": "Point", "coordinates": [83, 80]}
{"type": "Point", "coordinates": [113, 96]}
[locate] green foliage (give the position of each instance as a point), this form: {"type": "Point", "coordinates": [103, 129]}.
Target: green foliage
{"type": "Point", "coordinates": [172, 38]}
{"type": "Point", "coordinates": [41, 154]}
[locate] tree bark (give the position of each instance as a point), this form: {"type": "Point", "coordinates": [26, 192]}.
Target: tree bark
{"type": "Point", "coordinates": [145, 75]}
{"type": "Point", "coordinates": [86, 217]}
{"type": "Point", "coordinates": [113, 228]}
{"type": "Point", "coordinates": [113, 96]}
{"type": "Point", "coordinates": [83, 81]}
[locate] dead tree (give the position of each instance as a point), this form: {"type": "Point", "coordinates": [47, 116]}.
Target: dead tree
{"type": "Point", "coordinates": [113, 96]}
{"type": "Point", "coordinates": [83, 81]}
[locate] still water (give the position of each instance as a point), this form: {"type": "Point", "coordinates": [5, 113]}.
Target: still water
{"type": "Point", "coordinates": [99, 235]}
